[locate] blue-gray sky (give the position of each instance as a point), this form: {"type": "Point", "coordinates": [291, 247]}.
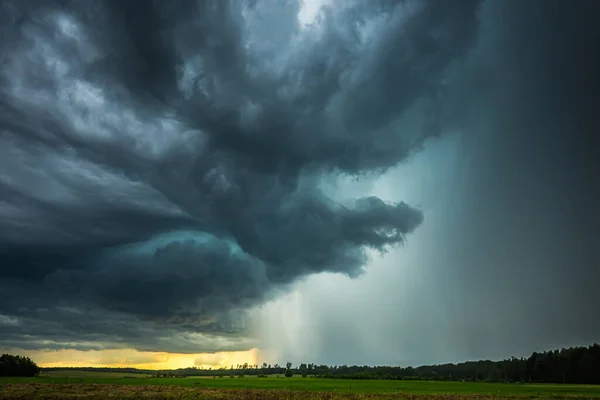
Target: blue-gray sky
{"type": "Point", "coordinates": [345, 182]}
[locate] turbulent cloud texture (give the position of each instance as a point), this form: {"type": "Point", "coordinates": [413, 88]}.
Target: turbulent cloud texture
{"type": "Point", "coordinates": [507, 261]}
{"type": "Point", "coordinates": [161, 162]}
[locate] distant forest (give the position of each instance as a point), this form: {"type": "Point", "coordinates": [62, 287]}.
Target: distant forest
{"type": "Point", "coordinates": [574, 365]}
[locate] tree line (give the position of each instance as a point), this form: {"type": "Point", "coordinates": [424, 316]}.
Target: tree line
{"type": "Point", "coordinates": [573, 365]}
{"type": "Point", "coordinates": [17, 366]}
{"type": "Point", "coordinates": [579, 365]}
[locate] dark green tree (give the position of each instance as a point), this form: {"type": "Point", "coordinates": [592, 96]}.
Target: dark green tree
{"type": "Point", "coordinates": [11, 365]}
{"type": "Point", "coordinates": [288, 370]}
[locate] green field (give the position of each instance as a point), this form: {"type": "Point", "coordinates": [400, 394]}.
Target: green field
{"type": "Point", "coordinates": [90, 384]}
{"type": "Point", "coordinates": [89, 374]}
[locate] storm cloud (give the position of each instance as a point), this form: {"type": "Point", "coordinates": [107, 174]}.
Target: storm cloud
{"type": "Point", "coordinates": [507, 261]}
{"type": "Point", "coordinates": [162, 163]}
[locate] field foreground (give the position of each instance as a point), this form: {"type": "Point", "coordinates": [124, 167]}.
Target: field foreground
{"type": "Point", "coordinates": [431, 388]}
{"type": "Point", "coordinates": [98, 386]}
{"type": "Point", "coordinates": [48, 391]}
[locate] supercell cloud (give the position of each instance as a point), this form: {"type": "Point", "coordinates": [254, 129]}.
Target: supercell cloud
{"type": "Point", "coordinates": [161, 163]}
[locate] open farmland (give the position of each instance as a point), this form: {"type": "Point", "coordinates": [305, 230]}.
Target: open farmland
{"type": "Point", "coordinates": [110, 386]}
{"type": "Point", "coordinates": [90, 374]}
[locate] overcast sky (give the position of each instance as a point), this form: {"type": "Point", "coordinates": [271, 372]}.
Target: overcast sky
{"type": "Point", "coordinates": [341, 182]}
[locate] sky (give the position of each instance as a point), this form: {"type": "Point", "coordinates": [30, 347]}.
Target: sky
{"type": "Point", "coordinates": [343, 182]}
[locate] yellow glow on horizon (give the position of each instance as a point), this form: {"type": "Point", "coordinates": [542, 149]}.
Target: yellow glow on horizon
{"type": "Point", "coordinates": [130, 358]}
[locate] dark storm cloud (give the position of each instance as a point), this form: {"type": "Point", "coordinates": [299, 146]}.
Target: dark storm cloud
{"type": "Point", "coordinates": [527, 192]}
{"type": "Point", "coordinates": [160, 164]}
{"type": "Point", "coordinates": [507, 262]}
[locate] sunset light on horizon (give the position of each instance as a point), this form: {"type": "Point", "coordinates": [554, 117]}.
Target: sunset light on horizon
{"type": "Point", "coordinates": [130, 358]}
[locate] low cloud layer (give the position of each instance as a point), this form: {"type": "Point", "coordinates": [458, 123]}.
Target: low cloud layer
{"type": "Point", "coordinates": [161, 166]}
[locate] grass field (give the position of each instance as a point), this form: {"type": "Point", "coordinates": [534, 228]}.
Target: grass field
{"type": "Point", "coordinates": [100, 385]}
{"type": "Point", "coordinates": [89, 374]}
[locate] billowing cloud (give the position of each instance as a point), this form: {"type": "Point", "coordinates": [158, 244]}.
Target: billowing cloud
{"type": "Point", "coordinates": [161, 165]}
{"type": "Point", "coordinates": [507, 261]}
